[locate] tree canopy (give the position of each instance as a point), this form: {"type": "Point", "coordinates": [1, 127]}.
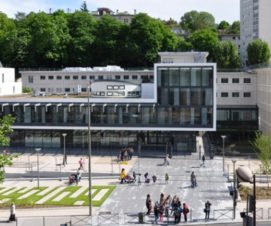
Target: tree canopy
{"type": "Point", "coordinates": [62, 39]}
{"type": "Point", "coordinates": [204, 40]}
{"type": "Point", "coordinates": [5, 131]}
{"type": "Point", "coordinates": [262, 144]}
{"type": "Point", "coordinates": [258, 52]}
{"type": "Point", "coordinates": [194, 20]}
{"type": "Point", "coordinates": [226, 55]}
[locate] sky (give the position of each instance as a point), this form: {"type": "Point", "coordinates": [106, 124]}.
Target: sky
{"type": "Point", "coordinates": [228, 10]}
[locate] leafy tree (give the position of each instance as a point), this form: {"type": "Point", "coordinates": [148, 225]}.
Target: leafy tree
{"type": "Point", "coordinates": [82, 27]}
{"type": "Point", "coordinates": [170, 22]}
{"type": "Point", "coordinates": [258, 52]}
{"type": "Point", "coordinates": [108, 39]}
{"type": "Point", "coordinates": [6, 26]}
{"type": "Point", "coordinates": [147, 37]}
{"type": "Point", "coordinates": [262, 144]}
{"type": "Point", "coordinates": [204, 40]}
{"type": "Point", "coordinates": [226, 55]}
{"type": "Point", "coordinates": [234, 28]}
{"type": "Point", "coordinates": [184, 45]}
{"type": "Point", "coordinates": [194, 20]}
{"type": "Point", "coordinates": [84, 7]}
{"type": "Point", "coordinates": [5, 131]}
{"type": "Point", "coordinates": [48, 39]}
{"type": "Point", "coordinates": [223, 25]}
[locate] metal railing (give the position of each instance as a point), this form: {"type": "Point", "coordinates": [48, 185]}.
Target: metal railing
{"type": "Point", "coordinates": [223, 214]}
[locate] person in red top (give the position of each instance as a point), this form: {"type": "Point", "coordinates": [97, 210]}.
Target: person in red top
{"type": "Point", "coordinates": [185, 211]}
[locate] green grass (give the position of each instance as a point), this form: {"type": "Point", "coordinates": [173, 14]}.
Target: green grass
{"type": "Point", "coordinates": [66, 201]}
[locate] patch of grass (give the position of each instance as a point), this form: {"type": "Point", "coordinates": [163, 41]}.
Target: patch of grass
{"type": "Point", "coordinates": [27, 202]}
{"type": "Point", "coordinates": [261, 192]}
{"type": "Point", "coordinates": [66, 201]}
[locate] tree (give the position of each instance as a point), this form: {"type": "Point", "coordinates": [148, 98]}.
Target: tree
{"type": "Point", "coordinates": [5, 131]}
{"type": "Point", "coordinates": [49, 38]}
{"type": "Point", "coordinates": [223, 25]}
{"type": "Point", "coordinates": [226, 55]}
{"type": "Point", "coordinates": [194, 20]}
{"type": "Point", "coordinates": [84, 7]}
{"type": "Point", "coordinates": [262, 144]}
{"type": "Point", "coordinates": [234, 28]}
{"type": "Point", "coordinates": [147, 37]}
{"type": "Point", "coordinates": [108, 40]}
{"type": "Point", "coordinates": [184, 45]}
{"type": "Point", "coordinates": [82, 27]}
{"type": "Point", "coordinates": [204, 40]}
{"type": "Point", "coordinates": [258, 52]}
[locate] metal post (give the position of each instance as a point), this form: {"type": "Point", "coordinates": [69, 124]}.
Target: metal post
{"type": "Point", "coordinates": [38, 166]}
{"type": "Point", "coordinates": [234, 190]}
{"type": "Point", "coordinates": [254, 199]}
{"type": "Point", "coordinates": [64, 149]}
{"type": "Point", "coordinates": [89, 155]}
{"type": "Point", "coordinates": [199, 152]}
{"type": "Point", "coordinates": [223, 152]}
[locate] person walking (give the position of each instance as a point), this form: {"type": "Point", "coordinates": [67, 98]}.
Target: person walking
{"type": "Point", "coordinates": [81, 164]}
{"type": "Point", "coordinates": [185, 211]}
{"type": "Point", "coordinates": [156, 211]}
{"type": "Point", "coordinates": [193, 180]}
{"type": "Point", "coordinates": [12, 216]}
{"type": "Point", "coordinates": [148, 204]}
{"type": "Point", "coordinates": [207, 209]}
{"type": "Point", "coordinates": [203, 160]}
{"type": "Point", "coordinates": [166, 178]}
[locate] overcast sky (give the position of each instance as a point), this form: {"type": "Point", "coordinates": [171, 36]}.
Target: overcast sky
{"type": "Point", "coordinates": [228, 10]}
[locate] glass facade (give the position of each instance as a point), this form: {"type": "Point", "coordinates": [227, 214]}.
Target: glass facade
{"type": "Point", "coordinates": [185, 95]}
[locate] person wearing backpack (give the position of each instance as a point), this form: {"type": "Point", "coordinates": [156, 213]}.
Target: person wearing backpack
{"type": "Point", "coordinates": [185, 211]}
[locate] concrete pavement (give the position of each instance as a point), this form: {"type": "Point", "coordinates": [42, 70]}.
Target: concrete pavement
{"type": "Point", "coordinates": [130, 198]}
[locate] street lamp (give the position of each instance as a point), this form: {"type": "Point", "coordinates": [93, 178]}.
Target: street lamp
{"type": "Point", "coordinates": [223, 152]}
{"type": "Point", "coordinates": [38, 165]}
{"type": "Point", "coordinates": [64, 149]}
{"type": "Point", "coordinates": [234, 189]}
{"type": "Point", "coordinates": [89, 154]}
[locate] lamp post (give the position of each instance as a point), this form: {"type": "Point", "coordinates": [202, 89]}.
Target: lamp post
{"type": "Point", "coordinates": [234, 190]}
{"type": "Point", "coordinates": [89, 154]}
{"type": "Point", "coordinates": [38, 165]}
{"type": "Point", "coordinates": [64, 149]}
{"type": "Point", "coordinates": [223, 152]}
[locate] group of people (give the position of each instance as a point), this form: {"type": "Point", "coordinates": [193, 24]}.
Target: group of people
{"type": "Point", "coordinates": [126, 153]}
{"type": "Point", "coordinates": [168, 206]}
{"type": "Point", "coordinates": [126, 178]}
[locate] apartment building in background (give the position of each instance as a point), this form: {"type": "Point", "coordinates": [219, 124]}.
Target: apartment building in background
{"type": "Point", "coordinates": [255, 20]}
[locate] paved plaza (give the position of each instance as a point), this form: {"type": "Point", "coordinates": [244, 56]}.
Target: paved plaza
{"type": "Point", "coordinates": [127, 200]}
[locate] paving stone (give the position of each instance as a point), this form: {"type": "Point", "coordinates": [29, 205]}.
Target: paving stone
{"type": "Point", "coordinates": [45, 191]}
{"type": "Point", "coordinates": [50, 195]}
{"type": "Point", "coordinates": [78, 192]}
{"type": "Point", "coordinates": [11, 191]}
{"type": "Point", "coordinates": [61, 196]}
{"type": "Point", "coordinates": [5, 189]}
{"type": "Point", "coordinates": [28, 194]}
{"type": "Point", "coordinates": [92, 191]}
{"type": "Point", "coordinates": [23, 190]}
{"type": "Point", "coordinates": [4, 200]}
{"type": "Point", "coordinates": [78, 203]}
{"type": "Point", "coordinates": [100, 194]}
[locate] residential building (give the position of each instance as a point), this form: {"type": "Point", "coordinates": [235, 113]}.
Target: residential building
{"type": "Point", "coordinates": [255, 23]}
{"type": "Point", "coordinates": [8, 85]}
{"type": "Point", "coordinates": [123, 17]}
